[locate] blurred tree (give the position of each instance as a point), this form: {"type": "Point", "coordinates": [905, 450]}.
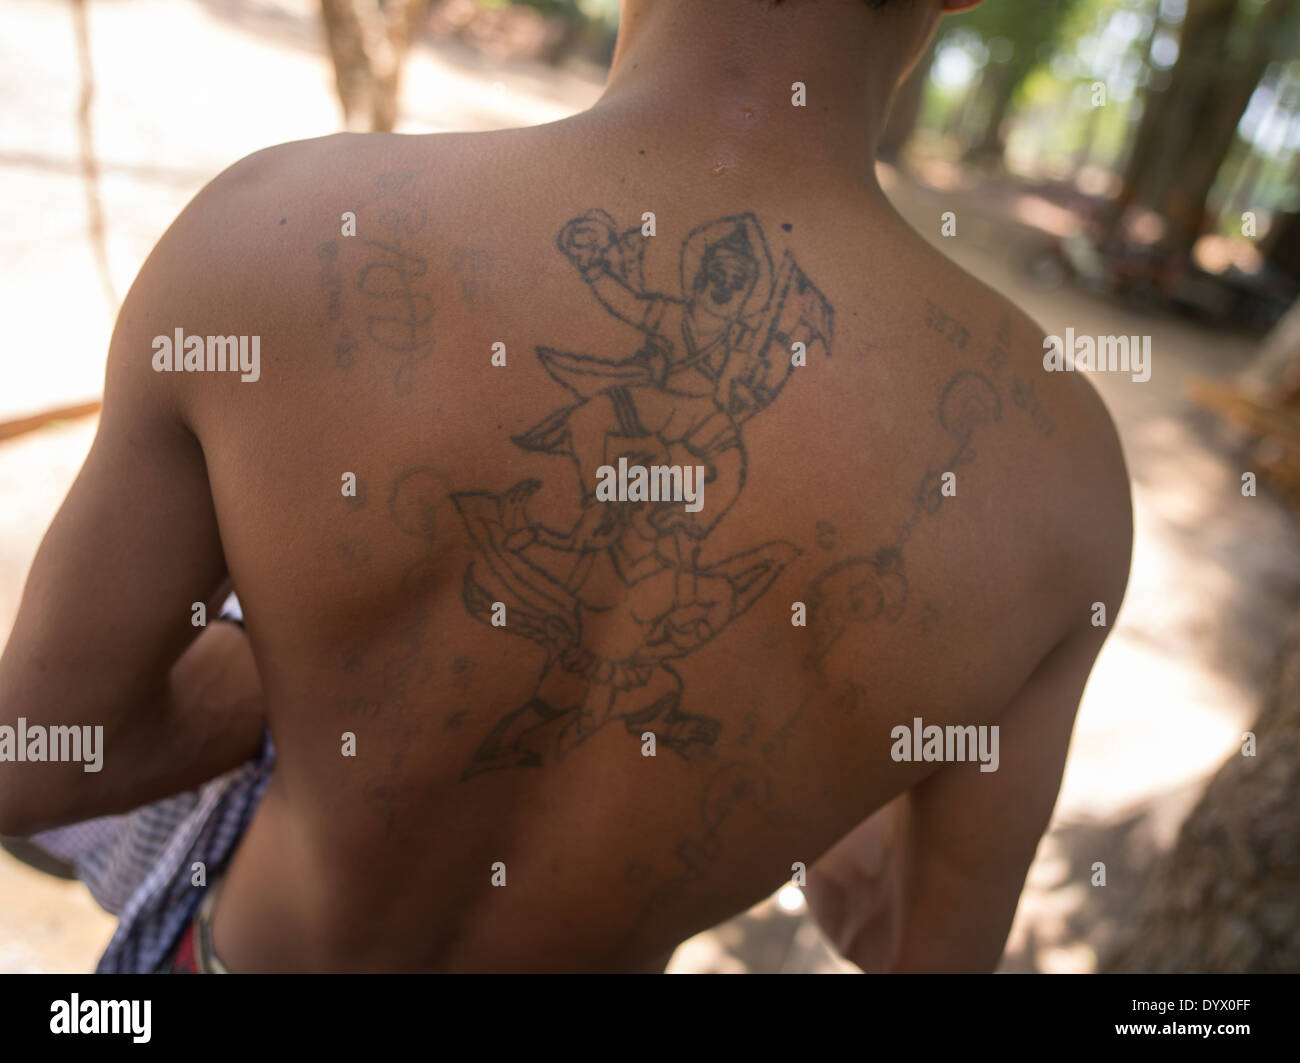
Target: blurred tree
{"type": "Point", "coordinates": [1275, 373]}
{"type": "Point", "coordinates": [1226, 898]}
{"type": "Point", "coordinates": [1018, 37]}
{"type": "Point", "coordinates": [1188, 127]}
{"type": "Point", "coordinates": [89, 163]}
{"type": "Point", "coordinates": [589, 23]}
{"type": "Point", "coordinates": [368, 41]}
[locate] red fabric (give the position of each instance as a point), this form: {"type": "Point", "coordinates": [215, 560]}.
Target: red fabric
{"type": "Point", "coordinates": [184, 960]}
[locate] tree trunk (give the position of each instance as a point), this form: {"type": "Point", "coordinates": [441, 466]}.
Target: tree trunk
{"type": "Point", "coordinates": [1274, 375]}
{"type": "Point", "coordinates": [1187, 130]}
{"type": "Point", "coordinates": [1227, 897]}
{"type": "Point", "coordinates": [1002, 83]}
{"type": "Point", "coordinates": [89, 164]}
{"type": "Point", "coordinates": [368, 41]}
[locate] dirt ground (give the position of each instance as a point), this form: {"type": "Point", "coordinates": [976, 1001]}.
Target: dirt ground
{"type": "Point", "coordinates": [1216, 575]}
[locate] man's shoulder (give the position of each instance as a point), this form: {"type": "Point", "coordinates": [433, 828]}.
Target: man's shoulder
{"type": "Point", "coordinates": [1057, 446]}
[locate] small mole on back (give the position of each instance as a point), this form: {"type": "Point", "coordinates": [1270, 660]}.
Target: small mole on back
{"type": "Point", "coordinates": [283, 220]}
{"type": "Point", "coordinates": [787, 226]}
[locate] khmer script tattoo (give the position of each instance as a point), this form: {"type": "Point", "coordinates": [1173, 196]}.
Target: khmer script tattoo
{"type": "Point", "coordinates": [389, 290]}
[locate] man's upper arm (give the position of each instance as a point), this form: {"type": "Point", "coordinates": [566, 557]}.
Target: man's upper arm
{"type": "Point", "coordinates": [930, 881]}
{"type": "Point", "coordinates": [962, 839]}
{"type": "Point", "coordinates": [108, 601]}
{"type": "Point", "coordinates": [971, 835]}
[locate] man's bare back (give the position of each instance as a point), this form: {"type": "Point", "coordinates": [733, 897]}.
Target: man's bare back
{"type": "Point", "coordinates": [468, 651]}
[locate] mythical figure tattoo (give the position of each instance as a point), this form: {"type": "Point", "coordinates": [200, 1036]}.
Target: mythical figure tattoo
{"type": "Point", "coordinates": [709, 359]}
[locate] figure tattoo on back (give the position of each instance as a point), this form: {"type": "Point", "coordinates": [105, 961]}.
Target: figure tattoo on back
{"type": "Point", "coordinates": [700, 364]}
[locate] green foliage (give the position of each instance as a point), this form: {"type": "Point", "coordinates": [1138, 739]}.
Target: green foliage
{"type": "Point", "coordinates": [603, 14]}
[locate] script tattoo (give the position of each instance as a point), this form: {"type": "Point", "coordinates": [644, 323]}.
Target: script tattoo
{"type": "Point", "coordinates": [473, 266]}
{"type": "Point", "coordinates": [711, 356]}
{"type": "Point", "coordinates": [416, 500]}
{"type": "Point", "coordinates": [861, 589]}
{"type": "Point", "coordinates": [936, 320]}
{"type": "Point", "coordinates": [731, 788]}
{"type": "Point", "coordinates": [389, 287]}
{"type": "Point", "coordinates": [1023, 395]}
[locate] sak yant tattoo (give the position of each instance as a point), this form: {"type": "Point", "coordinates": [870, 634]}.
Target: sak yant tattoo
{"type": "Point", "coordinates": [388, 288]}
{"type": "Point", "coordinates": [711, 356]}
{"type": "Point", "coordinates": [417, 503]}
{"type": "Point", "coordinates": [862, 589]}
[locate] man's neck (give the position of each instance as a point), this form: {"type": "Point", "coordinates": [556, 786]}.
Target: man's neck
{"type": "Point", "coordinates": [723, 74]}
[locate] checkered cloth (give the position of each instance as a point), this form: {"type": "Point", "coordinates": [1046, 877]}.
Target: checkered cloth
{"type": "Point", "coordinates": [140, 866]}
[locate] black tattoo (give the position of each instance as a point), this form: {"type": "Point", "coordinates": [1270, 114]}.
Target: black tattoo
{"type": "Point", "coordinates": [345, 351]}
{"type": "Point", "coordinates": [357, 501]}
{"type": "Point", "coordinates": [390, 287]}
{"type": "Point", "coordinates": [864, 588]}
{"type": "Point", "coordinates": [1024, 398]}
{"type": "Point", "coordinates": [473, 265]}
{"type": "Point", "coordinates": [783, 733]}
{"type": "Point", "coordinates": [712, 356]}
{"type": "Point", "coordinates": [730, 787]}
{"type": "Point", "coordinates": [855, 591]}
{"type": "Point", "coordinates": [1023, 395]}
{"type": "Point", "coordinates": [363, 707]}
{"type": "Point", "coordinates": [354, 553]}
{"type": "Point", "coordinates": [415, 499]}
{"type": "Point", "coordinates": [936, 320]}
{"type": "Point", "coordinates": [635, 872]}
{"type": "Point", "coordinates": [329, 278]}
{"type": "Point", "coordinates": [851, 696]}
{"type": "Point", "coordinates": [463, 669]}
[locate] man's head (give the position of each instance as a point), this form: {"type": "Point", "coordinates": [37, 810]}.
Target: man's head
{"type": "Point", "coordinates": [929, 10]}
{"type": "Point", "coordinates": [911, 18]}
{"type": "Point", "coordinates": [745, 54]}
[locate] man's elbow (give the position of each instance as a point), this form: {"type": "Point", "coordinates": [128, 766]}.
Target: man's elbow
{"type": "Point", "coordinates": [37, 794]}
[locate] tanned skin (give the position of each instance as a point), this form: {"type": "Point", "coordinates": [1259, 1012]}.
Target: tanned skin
{"type": "Point", "coordinates": [497, 640]}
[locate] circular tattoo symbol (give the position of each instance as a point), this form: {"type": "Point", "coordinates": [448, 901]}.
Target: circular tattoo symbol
{"type": "Point", "coordinates": [413, 501]}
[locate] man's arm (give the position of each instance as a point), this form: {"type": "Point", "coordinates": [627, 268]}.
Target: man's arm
{"type": "Point", "coordinates": [932, 880]}
{"type": "Point", "coordinates": [107, 607]}
{"type": "Point", "coordinates": [216, 721]}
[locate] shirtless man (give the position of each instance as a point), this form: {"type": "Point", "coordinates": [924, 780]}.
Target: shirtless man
{"type": "Point", "coordinates": [502, 677]}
